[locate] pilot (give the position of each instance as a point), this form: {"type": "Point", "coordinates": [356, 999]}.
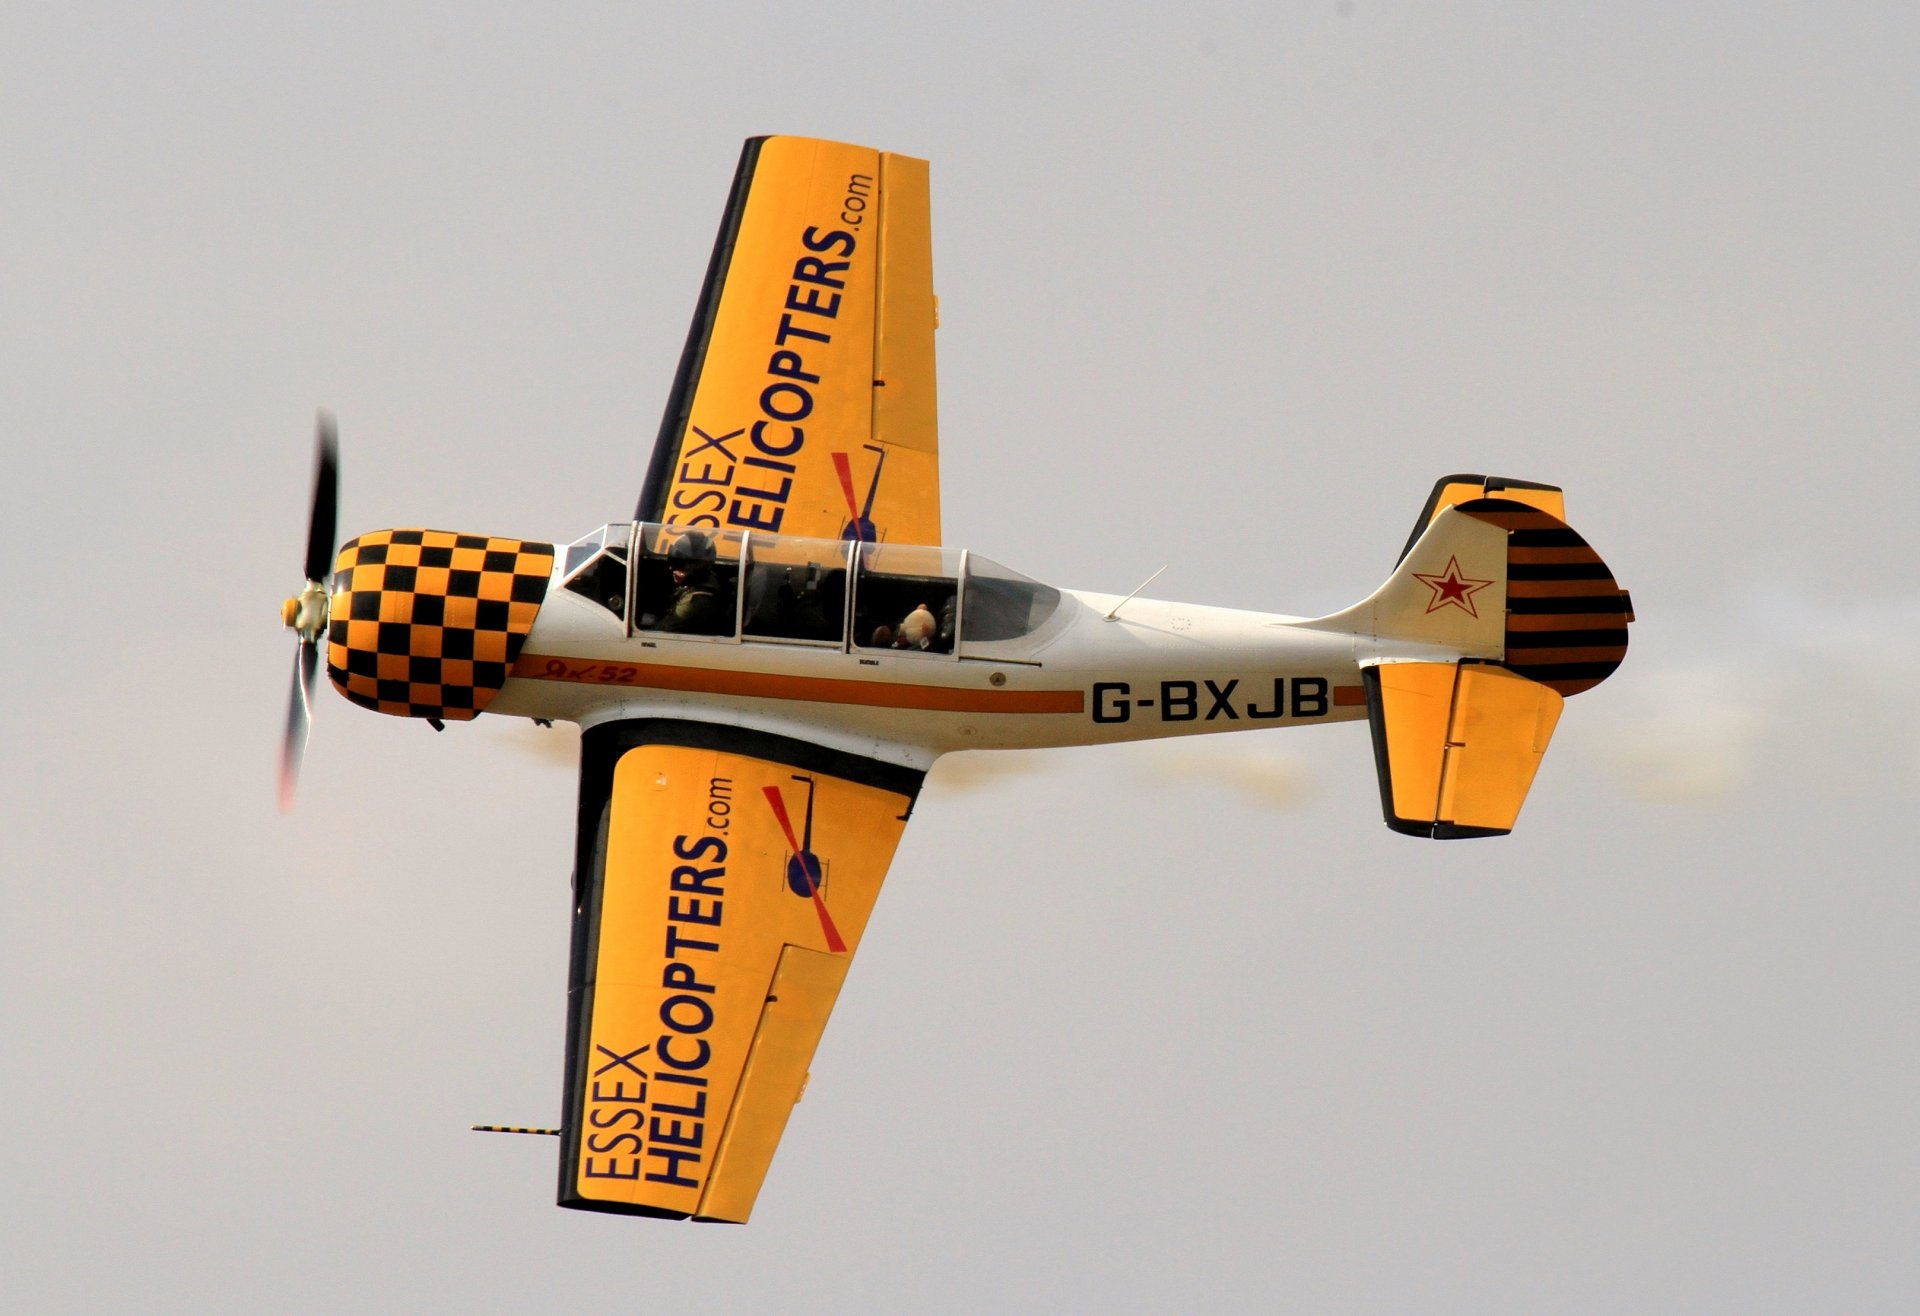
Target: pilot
{"type": "Point", "coordinates": [699, 605]}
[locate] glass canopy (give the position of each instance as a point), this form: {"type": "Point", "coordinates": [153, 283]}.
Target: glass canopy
{"type": "Point", "coordinates": [726, 584]}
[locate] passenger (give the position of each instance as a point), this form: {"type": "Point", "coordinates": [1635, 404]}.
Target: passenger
{"type": "Point", "coordinates": [699, 605]}
{"type": "Point", "coordinates": [917, 631]}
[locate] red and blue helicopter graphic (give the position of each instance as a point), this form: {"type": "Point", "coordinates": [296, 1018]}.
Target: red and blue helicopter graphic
{"type": "Point", "coordinates": [859, 526]}
{"type": "Point", "coordinates": [805, 876]}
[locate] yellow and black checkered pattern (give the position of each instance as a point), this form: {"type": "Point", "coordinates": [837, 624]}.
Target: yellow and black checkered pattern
{"type": "Point", "coordinates": [427, 623]}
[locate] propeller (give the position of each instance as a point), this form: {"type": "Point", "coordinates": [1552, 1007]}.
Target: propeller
{"type": "Point", "coordinates": [305, 614]}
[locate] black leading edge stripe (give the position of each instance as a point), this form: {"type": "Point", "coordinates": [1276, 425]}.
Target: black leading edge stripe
{"type": "Point", "coordinates": [653, 494]}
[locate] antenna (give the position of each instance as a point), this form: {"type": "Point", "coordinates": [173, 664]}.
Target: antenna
{"type": "Point", "coordinates": [1136, 589]}
{"type": "Point", "coordinates": [511, 1128]}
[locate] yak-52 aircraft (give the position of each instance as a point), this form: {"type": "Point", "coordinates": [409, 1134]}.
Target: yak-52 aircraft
{"type": "Point", "coordinates": [770, 656]}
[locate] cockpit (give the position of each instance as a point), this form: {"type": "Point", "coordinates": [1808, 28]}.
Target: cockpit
{"type": "Point", "coordinates": [596, 567]}
{"type": "Point", "coordinates": [733, 585]}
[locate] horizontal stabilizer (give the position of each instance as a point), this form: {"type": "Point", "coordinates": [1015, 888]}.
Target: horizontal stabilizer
{"type": "Point", "coordinates": [1456, 745]}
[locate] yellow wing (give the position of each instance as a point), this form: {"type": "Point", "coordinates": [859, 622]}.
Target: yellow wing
{"type": "Point", "coordinates": [723, 880]}
{"type": "Point", "coordinates": [804, 403]}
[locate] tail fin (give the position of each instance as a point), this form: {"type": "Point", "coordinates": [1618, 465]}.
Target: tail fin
{"type": "Point", "coordinates": [1493, 574]}
{"type": "Point", "coordinates": [1496, 611]}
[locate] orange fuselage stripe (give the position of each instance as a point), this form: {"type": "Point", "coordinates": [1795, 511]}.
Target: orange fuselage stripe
{"type": "Point", "coordinates": [813, 689]}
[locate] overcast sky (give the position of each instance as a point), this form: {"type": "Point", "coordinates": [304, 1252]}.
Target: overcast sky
{"type": "Point", "coordinates": [1145, 1029]}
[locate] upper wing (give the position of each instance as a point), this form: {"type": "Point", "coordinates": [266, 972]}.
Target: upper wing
{"type": "Point", "coordinates": [723, 878]}
{"type": "Point", "coordinates": [804, 403]}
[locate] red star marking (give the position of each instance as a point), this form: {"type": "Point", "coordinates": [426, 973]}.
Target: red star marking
{"type": "Point", "coordinates": [1452, 589]}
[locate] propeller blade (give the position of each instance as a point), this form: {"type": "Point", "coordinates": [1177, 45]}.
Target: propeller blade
{"type": "Point", "coordinates": [299, 720]}
{"type": "Point", "coordinates": [326, 488]}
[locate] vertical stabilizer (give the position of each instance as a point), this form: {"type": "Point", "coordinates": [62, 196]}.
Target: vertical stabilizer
{"type": "Point", "coordinates": [1497, 579]}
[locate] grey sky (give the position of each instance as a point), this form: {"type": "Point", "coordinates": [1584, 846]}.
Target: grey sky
{"type": "Point", "coordinates": [1224, 289]}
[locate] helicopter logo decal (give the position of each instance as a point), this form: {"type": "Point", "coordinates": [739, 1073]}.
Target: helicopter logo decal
{"type": "Point", "coordinates": [859, 527]}
{"type": "Point", "coordinates": [804, 873]}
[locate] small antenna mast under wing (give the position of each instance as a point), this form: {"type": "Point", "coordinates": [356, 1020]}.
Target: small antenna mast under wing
{"type": "Point", "coordinates": [514, 1128]}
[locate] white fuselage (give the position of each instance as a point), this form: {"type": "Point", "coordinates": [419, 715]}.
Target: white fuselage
{"type": "Point", "coordinates": [1156, 669]}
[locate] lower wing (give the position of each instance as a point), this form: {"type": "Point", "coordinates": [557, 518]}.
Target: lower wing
{"type": "Point", "coordinates": [723, 879]}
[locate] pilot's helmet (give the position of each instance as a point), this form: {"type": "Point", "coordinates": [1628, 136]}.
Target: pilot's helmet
{"type": "Point", "coordinates": [690, 550]}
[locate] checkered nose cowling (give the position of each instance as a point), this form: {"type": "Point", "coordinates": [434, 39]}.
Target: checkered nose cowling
{"type": "Point", "coordinates": [427, 623]}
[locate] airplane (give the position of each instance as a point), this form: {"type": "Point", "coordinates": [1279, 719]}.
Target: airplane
{"type": "Point", "coordinates": [769, 657]}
